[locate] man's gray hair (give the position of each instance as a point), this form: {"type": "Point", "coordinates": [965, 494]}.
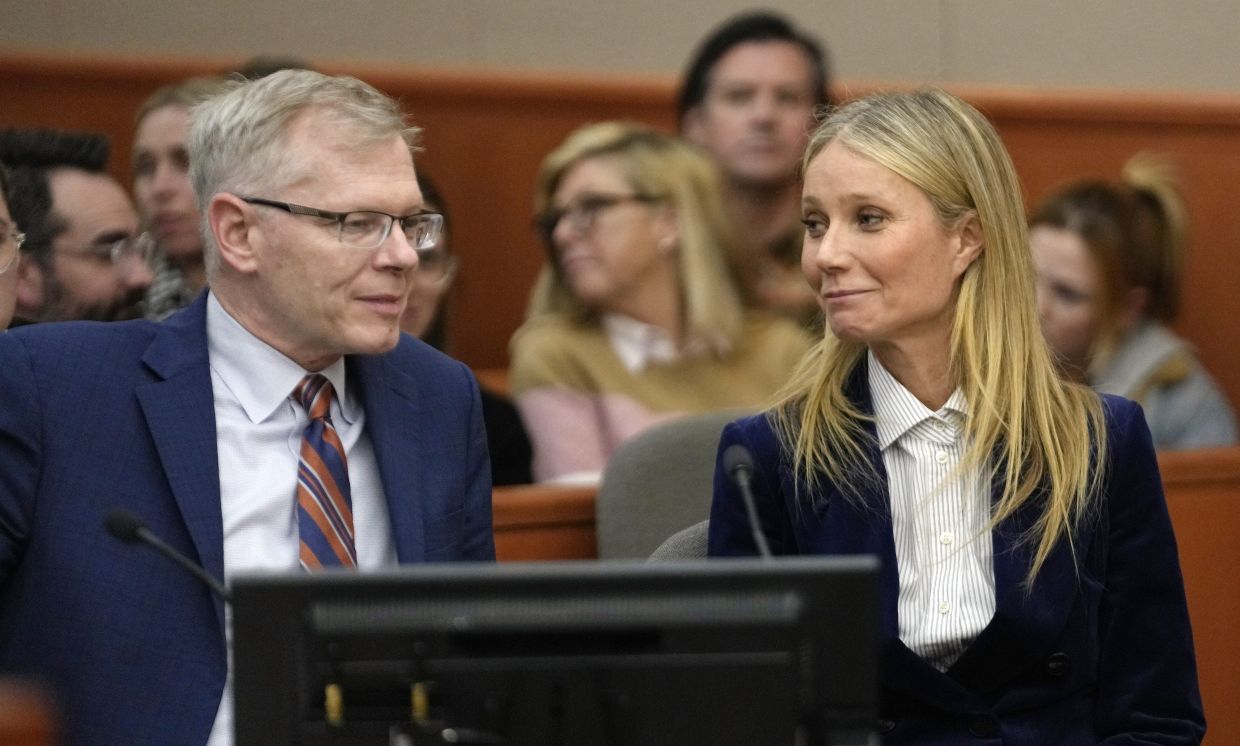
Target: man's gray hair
{"type": "Point", "coordinates": [237, 139]}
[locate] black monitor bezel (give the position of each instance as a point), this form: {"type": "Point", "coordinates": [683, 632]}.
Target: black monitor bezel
{"type": "Point", "coordinates": [835, 601]}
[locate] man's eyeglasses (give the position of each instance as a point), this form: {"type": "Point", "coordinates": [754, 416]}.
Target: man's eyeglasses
{"type": "Point", "coordinates": [583, 212]}
{"type": "Point", "coordinates": [434, 265]}
{"type": "Point", "coordinates": [367, 229]}
{"type": "Point", "coordinates": [11, 241]}
{"type": "Point", "coordinates": [141, 246]}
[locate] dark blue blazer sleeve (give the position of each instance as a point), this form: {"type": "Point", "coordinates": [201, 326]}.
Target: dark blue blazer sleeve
{"type": "Point", "coordinates": [479, 536]}
{"type": "Point", "coordinates": [730, 534]}
{"type": "Point", "coordinates": [20, 451]}
{"type": "Point", "coordinates": [1147, 673]}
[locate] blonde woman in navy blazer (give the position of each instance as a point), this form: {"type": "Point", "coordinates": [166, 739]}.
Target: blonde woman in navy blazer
{"type": "Point", "coordinates": [1076, 629]}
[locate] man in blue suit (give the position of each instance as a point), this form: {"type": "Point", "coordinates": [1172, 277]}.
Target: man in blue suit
{"type": "Point", "coordinates": [314, 221]}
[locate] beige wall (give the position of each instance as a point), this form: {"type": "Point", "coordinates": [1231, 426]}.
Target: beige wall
{"type": "Point", "coordinates": [1138, 44]}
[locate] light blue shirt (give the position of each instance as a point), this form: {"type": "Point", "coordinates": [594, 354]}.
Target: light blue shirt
{"type": "Point", "coordinates": [258, 439]}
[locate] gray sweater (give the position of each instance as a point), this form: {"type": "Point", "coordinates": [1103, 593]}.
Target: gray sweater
{"type": "Point", "coordinates": [1182, 403]}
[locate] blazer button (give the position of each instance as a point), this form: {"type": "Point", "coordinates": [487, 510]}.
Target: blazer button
{"type": "Point", "coordinates": [984, 727]}
{"type": "Point", "coordinates": [885, 726]}
{"type": "Point", "coordinates": [1059, 665]}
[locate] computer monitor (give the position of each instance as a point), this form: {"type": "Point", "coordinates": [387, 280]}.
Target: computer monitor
{"type": "Point", "coordinates": [709, 652]}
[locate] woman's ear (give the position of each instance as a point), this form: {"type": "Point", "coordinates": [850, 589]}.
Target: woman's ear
{"type": "Point", "coordinates": [235, 230]}
{"type": "Point", "coordinates": [970, 242]}
{"type": "Point", "coordinates": [667, 228]}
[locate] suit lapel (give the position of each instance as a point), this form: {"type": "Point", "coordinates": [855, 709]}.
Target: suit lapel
{"type": "Point", "coordinates": [1026, 621]}
{"type": "Point", "coordinates": [180, 412]}
{"type": "Point", "coordinates": [1025, 624]}
{"type": "Point", "coordinates": [850, 528]}
{"type": "Point", "coordinates": [389, 396]}
{"type": "Point", "coordinates": [1020, 634]}
{"type": "Point", "coordinates": [862, 524]}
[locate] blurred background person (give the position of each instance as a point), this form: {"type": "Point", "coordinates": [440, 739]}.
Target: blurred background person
{"type": "Point", "coordinates": [10, 245]}
{"type": "Point", "coordinates": [748, 98]}
{"type": "Point", "coordinates": [640, 318]}
{"type": "Point", "coordinates": [425, 317]}
{"type": "Point", "coordinates": [1109, 260]}
{"type": "Point", "coordinates": [84, 256]}
{"type": "Point", "coordinates": [165, 197]}
{"type": "Point", "coordinates": [1030, 585]}
{"type": "Point", "coordinates": [262, 65]}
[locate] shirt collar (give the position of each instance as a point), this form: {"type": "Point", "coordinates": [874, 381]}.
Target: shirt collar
{"type": "Point", "coordinates": [896, 410]}
{"type": "Point", "coordinates": [637, 343]}
{"type": "Point", "coordinates": [260, 377]}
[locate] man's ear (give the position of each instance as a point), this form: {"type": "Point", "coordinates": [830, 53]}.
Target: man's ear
{"type": "Point", "coordinates": [235, 231]}
{"type": "Point", "coordinates": [1132, 309]}
{"type": "Point", "coordinates": [29, 288]}
{"type": "Point", "coordinates": [970, 243]}
{"type": "Point", "coordinates": [691, 125]}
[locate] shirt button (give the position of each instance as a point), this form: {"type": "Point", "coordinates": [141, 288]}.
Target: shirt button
{"type": "Point", "coordinates": [946, 537]}
{"type": "Point", "coordinates": [941, 457]}
{"type": "Point", "coordinates": [938, 425]}
{"type": "Point", "coordinates": [944, 608]}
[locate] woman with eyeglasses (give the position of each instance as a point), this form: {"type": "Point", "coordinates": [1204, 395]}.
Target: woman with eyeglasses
{"type": "Point", "coordinates": [426, 317]}
{"type": "Point", "coordinates": [1109, 259]}
{"type": "Point", "coordinates": [640, 318]}
{"type": "Point", "coordinates": [10, 244]}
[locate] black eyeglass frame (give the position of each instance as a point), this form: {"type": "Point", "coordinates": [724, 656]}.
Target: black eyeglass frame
{"type": "Point", "coordinates": [433, 220]}
{"type": "Point", "coordinates": [545, 223]}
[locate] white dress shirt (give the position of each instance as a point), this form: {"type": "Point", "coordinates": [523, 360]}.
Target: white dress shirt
{"type": "Point", "coordinates": [639, 344]}
{"type": "Point", "coordinates": [258, 439]}
{"type": "Point", "coordinates": [939, 517]}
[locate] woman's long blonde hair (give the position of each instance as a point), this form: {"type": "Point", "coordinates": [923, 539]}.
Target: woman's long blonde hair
{"type": "Point", "coordinates": [664, 168]}
{"type": "Point", "coordinates": [1038, 434]}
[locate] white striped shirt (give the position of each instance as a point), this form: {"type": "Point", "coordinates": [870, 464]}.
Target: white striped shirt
{"type": "Point", "coordinates": [938, 516]}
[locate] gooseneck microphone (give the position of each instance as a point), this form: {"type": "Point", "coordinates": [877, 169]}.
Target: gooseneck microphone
{"type": "Point", "coordinates": [130, 529]}
{"type": "Point", "coordinates": [738, 465]}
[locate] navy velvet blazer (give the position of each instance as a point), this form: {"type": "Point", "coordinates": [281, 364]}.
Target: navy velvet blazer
{"type": "Point", "coordinates": [1103, 655]}
{"type": "Point", "coordinates": [100, 416]}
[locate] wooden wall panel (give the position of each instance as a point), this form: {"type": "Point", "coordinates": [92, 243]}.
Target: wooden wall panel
{"type": "Point", "coordinates": [1203, 495]}
{"type": "Point", "coordinates": [487, 130]}
{"type": "Point", "coordinates": [544, 522]}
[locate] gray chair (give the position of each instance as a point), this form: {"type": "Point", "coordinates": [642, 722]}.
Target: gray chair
{"type": "Point", "coordinates": [686, 544]}
{"type": "Point", "coordinates": [658, 483]}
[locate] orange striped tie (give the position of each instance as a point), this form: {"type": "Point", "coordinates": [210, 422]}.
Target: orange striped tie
{"type": "Point", "coordinates": [324, 502]}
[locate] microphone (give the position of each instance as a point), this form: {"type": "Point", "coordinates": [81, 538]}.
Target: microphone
{"type": "Point", "coordinates": [130, 529]}
{"type": "Point", "coordinates": [738, 464]}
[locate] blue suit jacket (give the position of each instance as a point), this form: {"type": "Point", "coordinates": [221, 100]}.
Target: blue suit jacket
{"type": "Point", "coordinates": [101, 416]}
{"type": "Point", "coordinates": [1103, 655]}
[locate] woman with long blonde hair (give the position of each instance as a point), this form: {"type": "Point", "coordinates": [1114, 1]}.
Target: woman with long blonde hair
{"type": "Point", "coordinates": [1030, 579]}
